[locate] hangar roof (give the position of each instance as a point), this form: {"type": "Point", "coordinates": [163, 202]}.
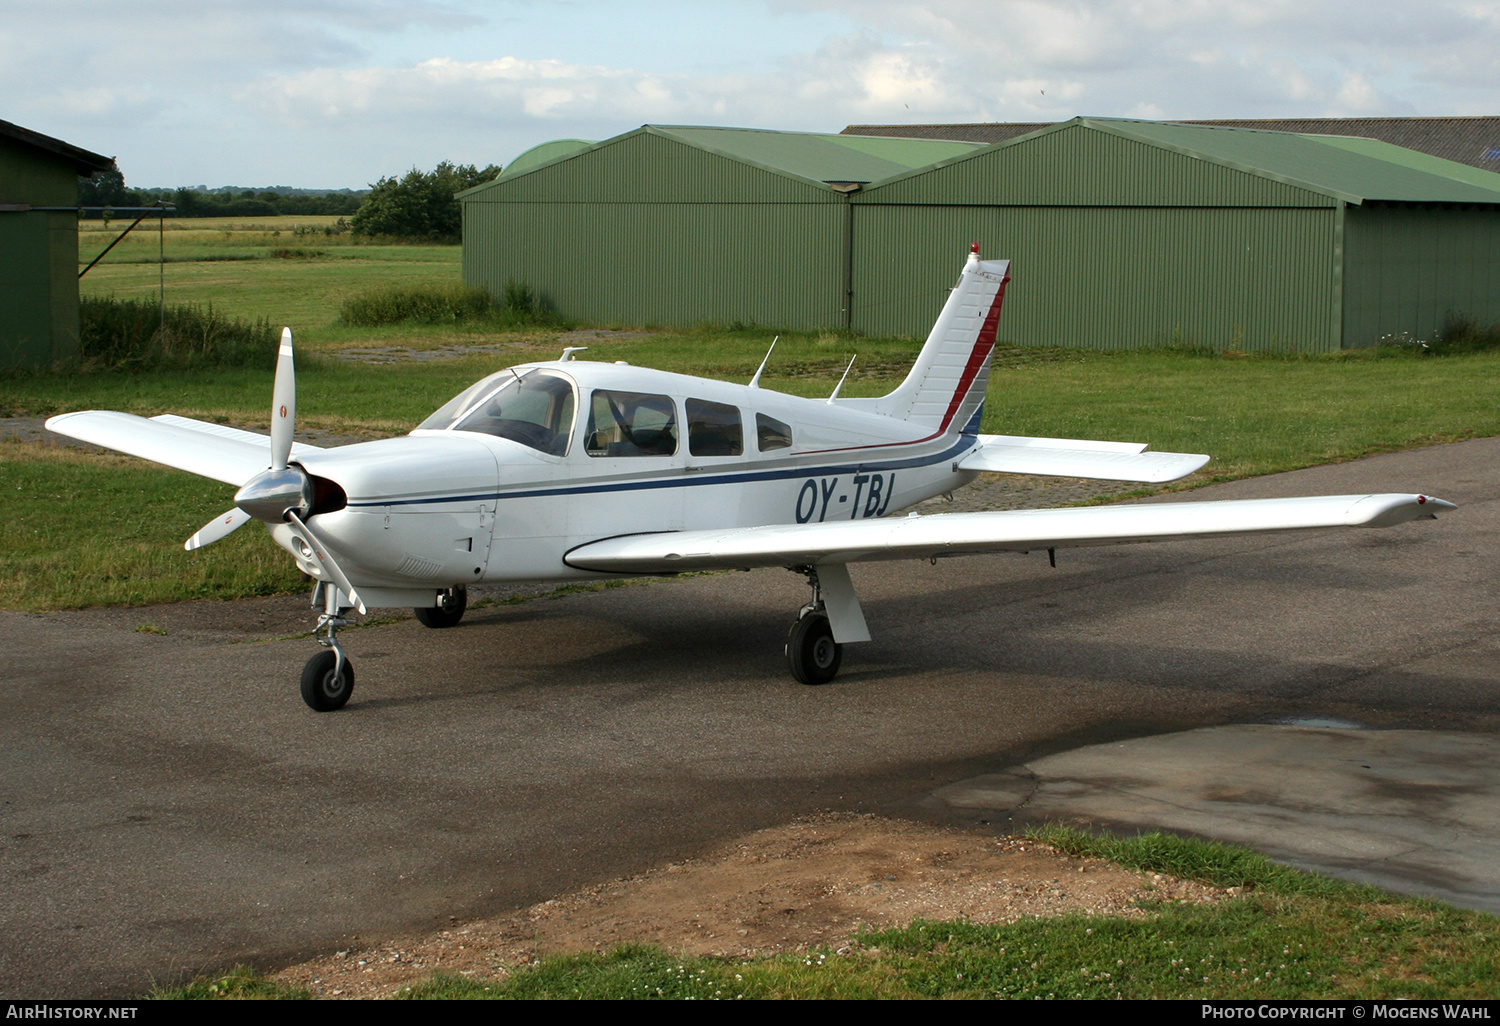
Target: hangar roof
{"type": "Point", "coordinates": [839, 160]}
{"type": "Point", "coordinates": [1350, 169]}
{"type": "Point", "coordinates": [1466, 140]}
{"type": "Point", "coordinates": [1353, 169]}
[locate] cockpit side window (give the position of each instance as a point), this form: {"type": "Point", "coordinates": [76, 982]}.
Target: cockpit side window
{"type": "Point", "coordinates": [714, 429]}
{"type": "Point", "coordinates": [534, 409]}
{"type": "Point", "coordinates": [771, 433]}
{"type": "Point", "coordinates": [631, 424]}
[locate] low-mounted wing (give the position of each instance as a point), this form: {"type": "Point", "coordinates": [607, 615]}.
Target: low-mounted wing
{"type": "Point", "coordinates": [1069, 457]}
{"type": "Point", "coordinates": [960, 534]}
{"type": "Point", "coordinates": [299, 449]}
{"type": "Point", "coordinates": [211, 450]}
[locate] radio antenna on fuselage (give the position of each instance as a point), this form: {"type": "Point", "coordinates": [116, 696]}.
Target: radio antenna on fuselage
{"type": "Point", "coordinates": [841, 380]}
{"type": "Point", "coordinates": [755, 381]}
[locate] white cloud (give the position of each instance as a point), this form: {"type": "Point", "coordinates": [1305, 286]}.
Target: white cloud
{"type": "Point", "coordinates": [343, 91]}
{"type": "Point", "coordinates": [1357, 95]}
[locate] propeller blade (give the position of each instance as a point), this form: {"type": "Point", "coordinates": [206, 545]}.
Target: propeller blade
{"type": "Point", "coordinates": [323, 558]}
{"type": "Point", "coordinates": [218, 528]}
{"type": "Point", "coordinates": [283, 403]}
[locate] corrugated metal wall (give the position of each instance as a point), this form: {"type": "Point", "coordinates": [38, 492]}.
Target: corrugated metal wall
{"type": "Point", "coordinates": [648, 230]}
{"type": "Point", "coordinates": [38, 259]}
{"type": "Point", "coordinates": [1116, 243]}
{"type": "Point", "coordinates": [1147, 247]}
{"type": "Point", "coordinates": [1081, 165]}
{"type": "Point", "coordinates": [1408, 266]}
{"type": "Point", "coordinates": [1109, 277]}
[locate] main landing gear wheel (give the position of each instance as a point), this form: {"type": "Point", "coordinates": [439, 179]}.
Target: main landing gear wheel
{"type": "Point", "coordinates": [448, 611]}
{"type": "Point", "coordinates": [321, 689]}
{"type": "Point", "coordinates": [811, 653]}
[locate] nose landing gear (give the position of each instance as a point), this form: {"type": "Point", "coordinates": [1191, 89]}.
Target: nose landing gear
{"type": "Point", "coordinates": [328, 677]}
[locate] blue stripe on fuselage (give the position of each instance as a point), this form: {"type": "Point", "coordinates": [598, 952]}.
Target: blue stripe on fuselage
{"type": "Point", "coordinates": [966, 441]}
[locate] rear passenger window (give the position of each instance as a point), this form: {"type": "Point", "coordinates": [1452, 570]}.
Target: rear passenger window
{"type": "Point", "coordinates": [771, 433]}
{"type": "Point", "coordinates": [631, 424]}
{"type": "Point", "coordinates": [714, 429]}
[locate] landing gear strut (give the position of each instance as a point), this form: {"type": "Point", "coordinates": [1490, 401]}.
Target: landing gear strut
{"type": "Point", "coordinates": [448, 611]}
{"type": "Point", "coordinates": [328, 677]}
{"type": "Point", "coordinates": [811, 653]}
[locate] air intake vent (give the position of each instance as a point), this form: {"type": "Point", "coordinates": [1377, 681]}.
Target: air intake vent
{"type": "Point", "coordinates": [415, 566]}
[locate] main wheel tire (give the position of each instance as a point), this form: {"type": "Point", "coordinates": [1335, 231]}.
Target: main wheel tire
{"type": "Point", "coordinates": [454, 602]}
{"type": "Point", "coordinates": [811, 653]}
{"type": "Point", "coordinates": [320, 689]}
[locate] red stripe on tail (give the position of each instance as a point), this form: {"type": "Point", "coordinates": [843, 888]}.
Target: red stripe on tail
{"type": "Point", "coordinates": [981, 352]}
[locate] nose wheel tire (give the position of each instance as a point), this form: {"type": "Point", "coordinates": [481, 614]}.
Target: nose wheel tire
{"type": "Point", "coordinates": [448, 611]}
{"type": "Point", "coordinates": [811, 653]}
{"type": "Point", "coordinates": [321, 688]}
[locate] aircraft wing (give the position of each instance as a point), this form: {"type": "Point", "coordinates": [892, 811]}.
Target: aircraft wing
{"type": "Point", "coordinates": [1070, 457]}
{"type": "Point", "coordinates": [225, 431]}
{"type": "Point", "coordinates": [961, 534]}
{"type": "Point", "coordinates": [212, 450]}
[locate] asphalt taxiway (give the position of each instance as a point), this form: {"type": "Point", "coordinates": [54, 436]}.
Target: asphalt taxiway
{"type": "Point", "coordinates": [170, 805]}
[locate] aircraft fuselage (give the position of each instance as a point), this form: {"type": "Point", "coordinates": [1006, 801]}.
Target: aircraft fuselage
{"type": "Point", "coordinates": [456, 505]}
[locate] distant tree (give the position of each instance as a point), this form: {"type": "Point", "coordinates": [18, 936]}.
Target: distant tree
{"type": "Point", "coordinates": [420, 205]}
{"type": "Point", "coordinates": [106, 189]}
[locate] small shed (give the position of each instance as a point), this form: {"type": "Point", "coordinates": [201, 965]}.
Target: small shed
{"type": "Point", "coordinates": [679, 225]}
{"type": "Point", "coordinates": [39, 244]}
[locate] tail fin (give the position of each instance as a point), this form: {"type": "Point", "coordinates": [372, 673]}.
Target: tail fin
{"type": "Point", "coordinates": [945, 390]}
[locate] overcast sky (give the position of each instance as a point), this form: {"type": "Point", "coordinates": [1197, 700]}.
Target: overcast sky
{"type": "Point", "coordinates": [337, 93]}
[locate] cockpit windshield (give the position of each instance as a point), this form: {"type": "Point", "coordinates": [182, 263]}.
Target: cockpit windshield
{"type": "Point", "coordinates": [534, 408]}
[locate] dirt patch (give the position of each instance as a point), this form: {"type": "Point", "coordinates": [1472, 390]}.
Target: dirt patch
{"type": "Point", "coordinates": [813, 883]}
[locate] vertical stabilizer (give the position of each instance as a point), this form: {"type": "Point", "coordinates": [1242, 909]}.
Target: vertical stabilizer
{"type": "Point", "coordinates": [945, 388]}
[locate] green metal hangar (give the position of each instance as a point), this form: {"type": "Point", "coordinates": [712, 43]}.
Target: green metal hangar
{"type": "Point", "coordinates": [674, 225]}
{"type": "Point", "coordinates": [39, 244]}
{"type": "Point", "coordinates": [1122, 233]}
{"type": "Point", "coordinates": [1133, 233]}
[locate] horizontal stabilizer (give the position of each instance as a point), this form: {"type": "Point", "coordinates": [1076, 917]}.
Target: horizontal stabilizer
{"type": "Point", "coordinates": [958, 534]}
{"type": "Point", "coordinates": [1065, 457]}
{"type": "Point", "coordinates": [212, 454]}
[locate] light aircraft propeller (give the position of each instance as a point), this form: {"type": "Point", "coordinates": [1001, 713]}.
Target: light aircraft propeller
{"type": "Point", "coordinates": [284, 492]}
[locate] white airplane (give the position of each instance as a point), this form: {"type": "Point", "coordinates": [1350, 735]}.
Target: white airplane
{"type": "Point", "coordinates": [570, 469]}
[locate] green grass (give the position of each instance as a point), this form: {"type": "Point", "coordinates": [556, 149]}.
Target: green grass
{"type": "Point", "coordinates": [239, 984]}
{"type": "Point", "coordinates": [1255, 415]}
{"type": "Point", "coordinates": [104, 530]}
{"type": "Point", "coordinates": [231, 263]}
{"type": "Point", "coordinates": [1287, 936]}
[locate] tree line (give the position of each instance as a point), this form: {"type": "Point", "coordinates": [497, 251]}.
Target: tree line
{"type": "Point", "coordinates": [107, 189]}
{"type": "Point", "coordinates": [418, 206]}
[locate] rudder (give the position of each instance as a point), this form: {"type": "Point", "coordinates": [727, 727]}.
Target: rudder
{"type": "Point", "coordinates": [945, 389]}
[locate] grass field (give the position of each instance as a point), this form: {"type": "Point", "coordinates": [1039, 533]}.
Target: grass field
{"type": "Point", "coordinates": [233, 264]}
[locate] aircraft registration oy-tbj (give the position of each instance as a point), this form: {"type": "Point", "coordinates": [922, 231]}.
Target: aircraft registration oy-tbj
{"type": "Point", "coordinates": [574, 469]}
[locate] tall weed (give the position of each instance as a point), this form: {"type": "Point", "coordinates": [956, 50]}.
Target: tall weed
{"type": "Point", "coordinates": [1465, 335]}
{"type": "Point", "coordinates": [133, 334]}
{"type": "Point", "coordinates": [418, 304]}
{"type": "Point", "coordinates": [1460, 333]}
